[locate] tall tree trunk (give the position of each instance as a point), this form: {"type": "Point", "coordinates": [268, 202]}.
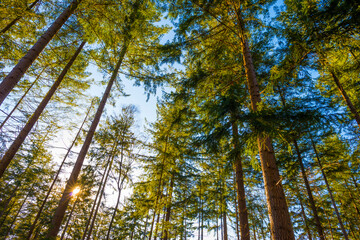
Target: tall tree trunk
{"type": "Point", "coordinates": [25, 62]}
{"type": "Point", "coordinates": [60, 211]}
{"type": "Point", "coordinates": [17, 213]}
{"type": "Point", "coordinates": [168, 209]}
{"type": "Point", "coordinates": [111, 160]}
{"type": "Point", "coordinates": [69, 218]}
{"type": "Point", "coordinates": [37, 217]}
{"type": "Point", "coordinates": [10, 153]}
{"type": "Point", "coordinates": [225, 226]}
{"type": "Point", "coordinates": [305, 220]}
{"type": "Point", "coordinates": [309, 192]}
{"type": "Point", "coordinates": [120, 187]}
{"type": "Point", "coordinates": [8, 200]}
{"type": "Point", "coordinates": [280, 222]}
{"type": "Point", "coordinates": [157, 226]}
{"type": "Point", "coordinates": [7, 27]}
{"type": "Point", "coordinates": [94, 203]}
{"type": "Point", "coordinates": [330, 191]}
{"type": "Point", "coordinates": [242, 209]}
{"type": "Point", "coordinates": [22, 97]}
{"type": "Point", "coordinates": [237, 225]}
{"type": "Point", "coordinates": [346, 97]}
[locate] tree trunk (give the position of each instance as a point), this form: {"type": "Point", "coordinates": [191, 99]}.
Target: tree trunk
{"type": "Point", "coordinates": [69, 218]}
{"type": "Point", "coordinates": [22, 97]}
{"type": "Point", "coordinates": [111, 159]}
{"type": "Point", "coordinates": [330, 192]}
{"type": "Point", "coordinates": [7, 202]}
{"type": "Point", "coordinates": [306, 221]}
{"type": "Point", "coordinates": [309, 192]}
{"type": "Point", "coordinates": [95, 202]}
{"type": "Point", "coordinates": [32, 228]}
{"type": "Point", "coordinates": [18, 212]}
{"type": "Point", "coordinates": [7, 27]}
{"type": "Point", "coordinates": [168, 209]}
{"type": "Point", "coordinates": [19, 70]}
{"type": "Point", "coordinates": [225, 226]}
{"type": "Point", "coordinates": [10, 153]}
{"type": "Point", "coordinates": [156, 226]}
{"type": "Point", "coordinates": [346, 97]}
{"type": "Point", "coordinates": [242, 209]}
{"type": "Point", "coordinates": [237, 225]}
{"type": "Point", "coordinates": [60, 211]}
{"type": "Point", "coordinates": [280, 222]}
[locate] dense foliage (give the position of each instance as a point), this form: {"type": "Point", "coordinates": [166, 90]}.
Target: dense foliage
{"type": "Point", "coordinates": [256, 135]}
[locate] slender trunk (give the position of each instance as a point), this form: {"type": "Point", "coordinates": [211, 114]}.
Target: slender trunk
{"type": "Point", "coordinates": [111, 159]}
{"type": "Point", "coordinates": [243, 212]}
{"type": "Point", "coordinates": [7, 202]}
{"type": "Point", "coordinates": [330, 192]}
{"type": "Point", "coordinates": [237, 226]}
{"type": "Point", "coordinates": [10, 153]}
{"type": "Point", "coordinates": [18, 212]}
{"type": "Point", "coordinates": [346, 97]}
{"type": "Point", "coordinates": [280, 222]}
{"type": "Point", "coordinates": [7, 27]}
{"type": "Point", "coordinates": [37, 217]}
{"type": "Point", "coordinates": [352, 199]}
{"type": "Point", "coordinates": [225, 226]}
{"type": "Point", "coordinates": [119, 190]}
{"type": "Point", "coordinates": [22, 97]}
{"type": "Point", "coordinates": [25, 62]}
{"type": "Point", "coordinates": [309, 192]}
{"type": "Point", "coordinates": [168, 209]}
{"type": "Point", "coordinates": [306, 221]}
{"type": "Point", "coordinates": [60, 211]}
{"type": "Point", "coordinates": [146, 223]}
{"type": "Point", "coordinates": [156, 226]}
{"type": "Point", "coordinates": [69, 218]}
{"type": "Point", "coordinates": [95, 203]}
{"type": "Point", "coordinates": [117, 205]}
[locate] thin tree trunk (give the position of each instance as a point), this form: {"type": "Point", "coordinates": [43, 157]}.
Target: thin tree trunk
{"type": "Point", "coordinates": [69, 218]}
{"type": "Point", "coordinates": [7, 202]}
{"type": "Point", "coordinates": [309, 192]}
{"type": "Point", "coordinates": [306, 221]}
{"type": "Point", "coordinates": [22, 97]}
{"type": "Point", "coordinates": [280, 222]}
{"type": "Point", "coordinates": [237, 228]}
{"type": "Point", "coordinates": [10, 153]}
{"type": "Point", "coordinates": [119, 190]}
{"type": "Point", "coordinates": [95, 202]}
{"type": "Point", "coordinates": [18, 212]}
{"type": "Point", "coordinates": [156, 226]}
{"type": "Point", "coordinates": [330, 192]}
{"type": "Point", "coordinates": [32, 228]}
{"type": "Point", "coordinates": [243, 212]}
{"type": "Point", "coordinates": [60, 211]}
{"type": "Point", "coordinates": [346, 97]}
{"type": "Point", "coordinates": [19, 70]}
{"type": "Point", "coordinates": [111, 159]}
{"type": "Point", "coordinates": [168, 209]}
{"type": "Point", "coordinates": [7, 27]}
{"type": "Point", "coordinates": [225, 226]}
{"type": "Point", "coordinates": [117, 205]}
{"type": "Point", "coordinates": [146, 223]}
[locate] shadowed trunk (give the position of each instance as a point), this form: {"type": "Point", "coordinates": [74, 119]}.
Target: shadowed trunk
{"type": "Point", "coordinates": [25, 62]}
{"type": "Point", "coordinates": [10, 153]}
{"type": "Point", "coordinates": [168, 209]}
{"type": "Point", "coordinates": [69, 218]}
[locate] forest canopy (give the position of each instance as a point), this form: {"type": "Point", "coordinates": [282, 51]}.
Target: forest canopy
{"type": "Point", "coordinates": [257, 124]}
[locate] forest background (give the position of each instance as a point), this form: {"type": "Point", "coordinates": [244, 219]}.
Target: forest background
{"type": "Point", "coordinates": [256, 135]}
